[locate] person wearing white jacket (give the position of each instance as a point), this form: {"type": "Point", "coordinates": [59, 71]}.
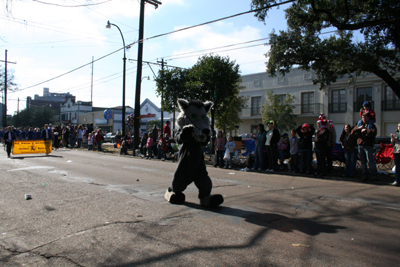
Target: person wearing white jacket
{"type": "Point", "coordinates": [231, 146]}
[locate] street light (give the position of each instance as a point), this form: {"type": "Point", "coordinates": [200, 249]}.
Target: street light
{"type": "Point", "coordinates": [108, 26]}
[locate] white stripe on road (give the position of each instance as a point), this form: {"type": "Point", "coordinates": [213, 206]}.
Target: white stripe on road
{"type": "Point", "coordinates": [31, 168]}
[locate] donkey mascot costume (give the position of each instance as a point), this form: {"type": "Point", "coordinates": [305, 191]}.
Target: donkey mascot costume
{"type": "Point", "coordinates": [194, 133]}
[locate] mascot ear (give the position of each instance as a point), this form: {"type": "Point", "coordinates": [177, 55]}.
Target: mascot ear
{"type": "Point", "coordinates": [208, 105]}
{"type": "Point", "coordinates": [183, 104]}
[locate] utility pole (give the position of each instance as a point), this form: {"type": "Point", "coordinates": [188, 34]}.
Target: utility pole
{"type": "Point", "coordinates": [5, 91]}
{"type": "Point", "coordinates": [162, 94]}
{"type": "Point", "coordinates": [136, 124]}
{"type": "Point", "coordinates": [91, 87]}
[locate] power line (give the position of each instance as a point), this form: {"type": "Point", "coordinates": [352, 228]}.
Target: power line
{"type": "Point", "coordinates": [160, 35]}
{"type": "Point", "coordinates": [83, 5]}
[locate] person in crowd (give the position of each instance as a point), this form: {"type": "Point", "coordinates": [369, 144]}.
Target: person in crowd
{"type": "Point", "coordinates": [98, 138]}
{"type": "Point", "coordinates": [79, 135]}
{"type": "Point", "coordinates": [367, 108]}
{"type": "Point", "coordinates": [260, 147]}
{"type": "Point", "coordinates": [230, 145]}
{"type": "Point", "coordinates": [170, 141]}
{"type": "Point", "coordinates": [84, 136]}
{"type": "Point", "coordinates": [366, 134]}
{"type": "Point", "coordinates": [321, 146]}
{"type": "Point", "coordinates": [9, 137]}
{"type": "Point", "coordinates": [395, 140]}
{"type": "Point", "coordinates": [219, 147]}
{"type": "Point", "coordinates": [23, 134]}
{"type": "Point", "coordinates": [30, 134]}
{"type": "Point", "coordinates": [124, 146]}
{"type": "Point", "coordinates": [72, 132]}
{"type": "Point", "coordinates": [89, 129]}
{"type": "Point", "coordinates": [294, 152]}
{"type": "Point", "coordinates": [167, 129]}
{"type": "Point", "coordinates": [272, 138]}
{"type": "Point", "coordinates": [149, 146]}
{"type": "Point", "coordinates": [283, 150]}
{"type": "Point", "coordinates": [16, 133]}
{"type": "Point", "coordinates": [143, 143]}
{"type": "Point", "coordinates": [162, 147]}
{"type": "Point", "coordinates": [2, 131]}
{"type": "Point", "coordinates": [331, 145]}
{"type": "Point", "coordinates": [38, 134]}
{"type": "Point", "coordinates": [348, 139]}
{"type": "Point", "coordinates": [154, 131]}
{"type": "Point", "coordinates": [305, 133]}
{"type": "Point", "coordinates": [90, 141]}
{"type": "Point", "coordinates": [51, 130]}
{"type": "Point", "coordinates": [57, 137]}
{"type": "Point", "coordinates": [46, 136]}
{"type": "Point", "coordinates": [65, 136]}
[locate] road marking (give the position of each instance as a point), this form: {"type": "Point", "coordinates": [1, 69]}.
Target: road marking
{"type": "Point", "coordinates": [31, 168]}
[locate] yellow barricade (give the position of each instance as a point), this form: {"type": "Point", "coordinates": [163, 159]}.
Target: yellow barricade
{"type": "Point", "coordinates": [32, 147]}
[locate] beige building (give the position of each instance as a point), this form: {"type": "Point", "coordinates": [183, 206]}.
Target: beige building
{"type": "Point", "coordinates": [340, 102]}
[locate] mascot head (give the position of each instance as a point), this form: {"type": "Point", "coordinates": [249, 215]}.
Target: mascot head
{"type": "Point", "coordinates": [194, 114]}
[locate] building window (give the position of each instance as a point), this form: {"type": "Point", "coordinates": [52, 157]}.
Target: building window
{"type": "Point", "coordinates": [256, 82]}
{"type": "Point", "coordinates": [281, 98]}
{"type": "Point", "coordinates": [363, 94]}
{"type": "Point", "coordinates": [338, 101]}
{"type": "Point", "coordinates": [255, 106]}
{"type": "Point", "coordinates": [307, 102]}
{"type": "Point", "coordinates": [392, 101]}
{"type": "Point", "coordinates": [307, 76]}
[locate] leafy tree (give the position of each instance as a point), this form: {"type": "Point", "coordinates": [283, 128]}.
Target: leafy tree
{"type": "Point", "coordinates": [11, 86]}
{"type": "Point", "coordinates": [279, 111]}
{"type": "Point", "coordinates": [340, 54]}
{"type": "Point", "coordinates": [227, 118]}
{"type": "Point", "coordinates": [35, 116]}
{"type": "Point", "coordinates": [212, 78]}
{"type": "Point", "coordinates": [171, 85]}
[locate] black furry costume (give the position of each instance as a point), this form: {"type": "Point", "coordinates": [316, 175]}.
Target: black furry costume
{"type": "Point", "coordinates": [193, 134]}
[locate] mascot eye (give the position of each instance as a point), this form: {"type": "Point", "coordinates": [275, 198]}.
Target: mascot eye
{"type": "Point", "coordinates": [194, 116]}
{"type": "Point", "coordinates": [203, 117]}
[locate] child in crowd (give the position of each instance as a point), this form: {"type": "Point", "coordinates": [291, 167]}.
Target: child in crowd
{"type": "Point", "coordinates": [230, 145]}
{"type": "Point", "coordinates": [367, 109]}
{"type": "Point", "coordinates": [283, 150]}
{"type": "Point", "coordinates": [124, 146]}
{"type": "Point", "coordinates": [149, 145]}
{"type": "Point", "coordinates": [294, 151]}
{"type": "Point", "coordinates": [162, 147]}
{"type": "Point", "coordinates": [90, 141]}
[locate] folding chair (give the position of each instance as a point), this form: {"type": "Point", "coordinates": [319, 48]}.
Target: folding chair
{"type": "Point", "coordinates": [250, 147]}
{"type": "Point", "coordinates": [338, 157]}
{"type": "Point", "coordinates": [384, 158]}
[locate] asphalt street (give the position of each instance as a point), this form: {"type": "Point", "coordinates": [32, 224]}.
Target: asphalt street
{"type": "Point", "coordinates": [99, 209]}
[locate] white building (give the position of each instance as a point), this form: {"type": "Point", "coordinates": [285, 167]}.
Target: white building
{"type": "Point", "coordinates": [70, 111]}
{"type": "Point", "coordinates": [340, 102]}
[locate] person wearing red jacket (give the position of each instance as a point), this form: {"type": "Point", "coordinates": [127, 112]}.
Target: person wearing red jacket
{"type": "Point", "coordinates": [167, 129]}
{"type": "Point", "coordinates": [364, 110]}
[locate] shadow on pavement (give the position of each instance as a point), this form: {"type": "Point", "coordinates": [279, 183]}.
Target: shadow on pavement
{"type": "Point", "coordinates": [268, 222]}
{"type": "Point", "coordinates": [275, 221]}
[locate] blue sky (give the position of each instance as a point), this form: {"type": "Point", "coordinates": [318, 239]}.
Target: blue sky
{"type": "Point", "coordinates": [49, 40]}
